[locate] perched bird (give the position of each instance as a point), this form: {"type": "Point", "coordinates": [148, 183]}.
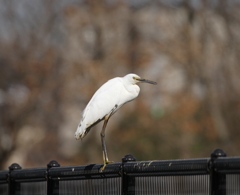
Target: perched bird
{"type": "Point", "coordinates": [105, 102]}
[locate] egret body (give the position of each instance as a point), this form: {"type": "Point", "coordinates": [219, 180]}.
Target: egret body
{"type": "Point", "coordinates": [105, 102]}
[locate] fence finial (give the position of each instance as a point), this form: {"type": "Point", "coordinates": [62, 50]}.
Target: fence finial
{"type": "Point", "coordinates": [218, 153]}
{"type": "Point", "coordinates": [53, 163]}
{"type": "Point", "coordinates": [14, 166]}
{"type": "Point", "coordinates": [128, 157]}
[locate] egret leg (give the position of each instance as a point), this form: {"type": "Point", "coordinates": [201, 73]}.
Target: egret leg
{"type": "Point", "coordinates": [104, 149]}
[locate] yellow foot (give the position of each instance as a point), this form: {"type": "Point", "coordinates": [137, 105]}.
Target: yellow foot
{"type": "Point", "coordinates": [105, 164]}
{"type": "Point", "coordinates": [109, 161]}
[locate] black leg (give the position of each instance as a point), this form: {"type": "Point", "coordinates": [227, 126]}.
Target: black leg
{"type": "Point", "coordinates": [104, 149]}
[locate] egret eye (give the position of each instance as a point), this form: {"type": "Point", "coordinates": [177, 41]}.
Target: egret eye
{"type": "Point", "coordinates": [134, 78]}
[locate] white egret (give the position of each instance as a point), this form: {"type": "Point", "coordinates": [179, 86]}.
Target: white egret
{"type": "Point", "coordinates": [105, 102]}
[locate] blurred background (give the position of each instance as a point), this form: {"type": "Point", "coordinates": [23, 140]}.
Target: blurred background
{"type": "Point", "coordinates": [54, 54]}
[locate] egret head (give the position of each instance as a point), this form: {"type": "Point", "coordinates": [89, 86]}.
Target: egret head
{"type": "Point", "coordinates": [134, 79]}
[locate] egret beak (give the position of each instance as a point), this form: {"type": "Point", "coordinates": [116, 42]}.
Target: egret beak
{"type": "Point", "coordinates": [146, 81]}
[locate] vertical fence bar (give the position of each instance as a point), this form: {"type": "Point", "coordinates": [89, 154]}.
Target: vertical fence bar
{"type": "Point", "coordinates": [128, 183]}
{"type": "Point", "coordinates": [217, 180]}
{"type": "Point", "coordinates": [13, 187]}
{"type": "Point", "coordinates": [52, 186]}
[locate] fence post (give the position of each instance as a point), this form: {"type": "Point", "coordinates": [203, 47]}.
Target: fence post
{"type": "Point", "coordinates": [217, 180]}
{"type": "Point", "coordinates": [52, 186]}
{"type": "Point", "coordinates": [128, 183]}
{"type": "Point", "coordinates": [13, 187]}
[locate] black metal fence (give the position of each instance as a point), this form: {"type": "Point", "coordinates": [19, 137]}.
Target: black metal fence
{"type": "Point", "coordinates": [215, 175]}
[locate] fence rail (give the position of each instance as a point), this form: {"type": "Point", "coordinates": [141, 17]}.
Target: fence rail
{"type": "Point", "coordinates": [215, 175]}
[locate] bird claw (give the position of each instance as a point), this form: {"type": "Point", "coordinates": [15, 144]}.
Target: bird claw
{"type": "Point", "coordinates": [105, 164]}
{"type": "Point", "coordinates": [103, 167]}
{"type": "Point", "coordinates": [109, 161]}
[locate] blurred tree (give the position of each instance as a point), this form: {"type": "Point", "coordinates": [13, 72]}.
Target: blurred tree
{"type": "Point", "coordinates": [55, 54]}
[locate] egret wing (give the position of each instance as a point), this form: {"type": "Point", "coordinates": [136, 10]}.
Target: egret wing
{"type": "Point", "coordinates": [102, 103]}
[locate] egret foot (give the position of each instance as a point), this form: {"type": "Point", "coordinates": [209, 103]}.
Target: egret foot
{"type": "Point", "coordinates": [105, 164]}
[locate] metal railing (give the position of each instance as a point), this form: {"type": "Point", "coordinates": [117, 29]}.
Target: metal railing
{"type": "Point", "coordinates": [215, 175]}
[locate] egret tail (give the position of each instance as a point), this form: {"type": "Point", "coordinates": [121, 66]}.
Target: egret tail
{"type": "Point", "coordinates": [81, 131]}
